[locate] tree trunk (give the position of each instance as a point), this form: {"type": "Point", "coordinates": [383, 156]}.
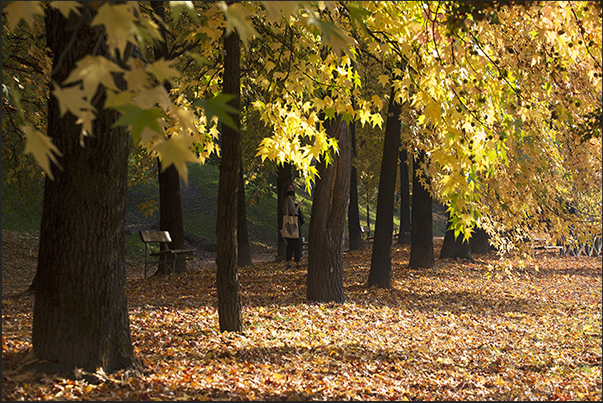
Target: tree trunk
{"type": "Point", "coordinates": [480, 242]}
{"type": "Point", "coordinates": [381, 260]}
{"type": "Point", "coordinates": [170, 197]}
{"type": "Point", "coordinates": [421, 233]}
{"type": "Point", "coordinates": [455, 247]}
{"type": "Point", "coordinates": [327, 223]}
{"type": "Point", "coordinates": [368, 217]}
{"type": "Point", "coordinates": [283, 177]}
{"type": "Point", "coordinates": [355, 233]}
{"type": "Point", "coordinates": [80, 317]}
{"type": "Point", "coordinates": [170, 217]}
{"type": "Point", "coordinates": [404, 235]}
{"type": "Point", "coordinates": [229, 304]}
{"type": "Point", "coordinates": [244, 250]}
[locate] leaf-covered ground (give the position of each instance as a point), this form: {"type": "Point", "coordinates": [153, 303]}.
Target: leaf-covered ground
{"type": "Point", "coordinates": [497, 329]}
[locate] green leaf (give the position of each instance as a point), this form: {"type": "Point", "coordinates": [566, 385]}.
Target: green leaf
{"type": "Point", "coordinates": [138, 118]}
{"type": "Point", "coordinates": [218, 106]}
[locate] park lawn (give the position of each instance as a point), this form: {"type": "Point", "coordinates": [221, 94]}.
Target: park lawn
{"type": "Point", "coordinates": [494, 329]}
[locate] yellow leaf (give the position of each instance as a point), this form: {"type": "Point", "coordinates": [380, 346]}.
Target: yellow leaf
{"type": "Point", "coordinates": [279, 9]}
{"type": "Point", "coordinates": [118, 22]}
{"type": "Point", "coordinates": [162, 70]}
{"type": "Point", "coordinates": [136, 77]}
{"type": "Point", "coordinates": [94, 70]}
{"type": "Point", "coordinates": [269, 65]}
{"type": "Point", "coordinates": [176, 151]}
{"type": "Point", "coordinates": [115, 100]}
{"type": "Point", "coordinates": [364, 115]}
{"type": "Point", "coordinates": [66, 7]}
{"type": "Point", "coordinates": [71, 99]}
{"type": "Point", "coordinates": [383, 80]}
{"type": "Point", "coordinates": [239, 18]}
{"type": "Point", "coordinates": [432, 112]}
{"type": "Point", "coordinates": [22, 10]}
{"type": "Point", "coordinates": [376, 120]}
{"type": "Point", "coordinates": [377, 101]}
{"type": "Point", "coordinates": [41, 147]}
{"type": "Point", "coordinates": [86, 117]}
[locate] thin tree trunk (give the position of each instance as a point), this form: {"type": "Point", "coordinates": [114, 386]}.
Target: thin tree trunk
{"type": "Point", "coordinates": [229, 304]}
{"type": "Point", "coordinates": [404, 235]}
{"type": "Point", "coordinates": [327, 223]}
{"type": "Point", "coordinates": [421, 233]}
{"type": "Point", "coordinates": [368, 217]}
{"type": "Point", "coordinates": [170, 197]}
{"type": "Point", "coordinates": [244, 249]}
{"type": "Point", "coordinates": [80, 315]}
{"type": "Point", "coordinates": [381, 260]}
{"type": "Point", "coordinates": [170, 217]}
{"type": "Point", "coordinates": [355, 232]}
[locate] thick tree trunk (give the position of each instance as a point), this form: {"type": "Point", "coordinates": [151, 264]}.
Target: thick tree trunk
{"type": "Point", "coordinates": [480, 242]}
{"type": "Point", "coordinates": [421, 233]}
{"type": "Point", "coordinates": [455, 247]}
{"type": "Point", "coordinates": [283, 177]}
{"type": "Point", "coordinates": [229, 304]}
{"type": "Point", "coordinates": [354, 230]}
{"type": "Point", "coordinates": [327, 223]}
{"type": "Point", "coordinates": [80, 317]}
{"type": "Point", "coordinates": [244, 250]}
{"type": "Point", "coordinates": [404, 235]}
{"type": "Point", "coordinates": [381, 260]}
{"type": "Point", "coordinates": [170, 197]}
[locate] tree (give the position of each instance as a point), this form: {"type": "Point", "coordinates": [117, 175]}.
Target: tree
{"type": "Point", "coordinates": [327, 224]}
{"type": "Point", "coordinates": [354, 230]}
{"type": "Point", "coordinates": [405, 223]}
{"type": "Point", "coordinates": [421, 234]}
{"type": "Point", "coordinates": [480, 241]}
{"type": "Point", "coordinates": [229, 304]}
{"type": "Point", "coordinates": [170, 197]}
{"type": "Point", "coordinates": [380, 273]}
{"type": "Point", "coordinates": [80, 317]}
{"type": "Point", "coordinates": [455, 246]}
{"type": "Point", "coordinates": [243, 248]}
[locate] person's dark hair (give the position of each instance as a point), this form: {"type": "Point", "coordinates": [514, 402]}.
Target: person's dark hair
{"type": "Point", "coordinates": [286, 189]}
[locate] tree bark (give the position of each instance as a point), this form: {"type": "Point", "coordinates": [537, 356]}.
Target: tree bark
{"type": "Point", "coordinates": [454, 247]}
{"type": "Point", "coordinates": [404, 235]}
{"type": "Point", "coordinates": [244, 249]}
{"type": "Point", "coordinates": [480, 242]}
{"type": "Point", "coordinates": [283, 177]}
{"type": "Point", "coordinates": [421, 233]}
{"type": "Point", "coordinates": [229, 304]}
{"type": "Point", "coordinates": [327, 223]}
{"type": "Point", "coordinates": [381, 260]}
{"type": "Point", "coordinates": [354, 230]}
{"type": "Point", "coordinates": [80, 317]}
{"type": "Point", "coordinates": [170, 197]}
{"type": "Point", "coordinates": [170, 216]}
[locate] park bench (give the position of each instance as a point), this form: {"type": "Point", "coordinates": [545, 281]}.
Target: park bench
{"type": "Point", "coordinates": [538, 243]}
{"type": "Point", "coordinates": [159, 252]}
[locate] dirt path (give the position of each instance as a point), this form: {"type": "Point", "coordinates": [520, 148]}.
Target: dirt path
{"type": "Point", "coordinates": [20, 259]}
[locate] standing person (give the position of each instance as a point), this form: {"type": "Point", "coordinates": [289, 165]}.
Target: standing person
{"type": "Point", "coordinates": [294, 245]}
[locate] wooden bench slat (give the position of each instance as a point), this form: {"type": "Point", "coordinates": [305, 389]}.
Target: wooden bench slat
{"type": "Point", "coordinates": [162, 238]}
